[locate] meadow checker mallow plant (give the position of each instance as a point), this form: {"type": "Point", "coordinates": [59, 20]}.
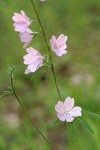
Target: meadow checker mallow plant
{"type": "Point", "coordinates": [33, 59]}
{"type": "Point", "coordinates": [66, 111]}
{"type": "Point", "coordinates": [58, 45]}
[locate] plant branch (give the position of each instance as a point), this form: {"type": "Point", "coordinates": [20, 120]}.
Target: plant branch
{"type": "Point", "coordinates": [25, 111]}
{"type": "Point", "coordinates": [48, 47]}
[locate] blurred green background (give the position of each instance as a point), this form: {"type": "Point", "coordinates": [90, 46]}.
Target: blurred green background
{"type": "Point", "coordinates": [78, 74]}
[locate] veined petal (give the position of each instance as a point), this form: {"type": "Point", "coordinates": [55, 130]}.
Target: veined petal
{"type": "Point", "coordinates": [59, 107]}
{"type": "Point", "coordinates": [20, 27]}
{"type": "Point", "coordinates": [62, 47]}
{"type": "Point", "coordinates": [62, 117]}
{"type": "Point", "coordinates": [29, 59]}
{"type": "Point", "coordinates": [32, 51]}
{"type": "Point", "coordinates": [34, 66]}
{"type": "Point", "coordinates": [53, 40]}
{"type": "Point", "coordinates": [60, 52]}
{"type": "Point", "coordinates": [25, 16]}
{"type": "Point", "coordinates": [69, 118]}
{"type": "Point", "coordinates": [69, 103]}
{"type": "Point", "coordinates": [61, 39]}
{"type": "Point", "coordinates": [76, 111]}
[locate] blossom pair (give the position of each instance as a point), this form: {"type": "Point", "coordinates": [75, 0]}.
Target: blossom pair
{"type": "Point", "coordinates": [21, 24]}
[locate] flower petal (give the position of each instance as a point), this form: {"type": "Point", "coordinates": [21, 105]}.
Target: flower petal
{"type": "Point", "coordinates": [27, 71]}
{"type": "Point", "coordinates": [26, 44]}
{"type": "Point", "coordinates": [34, 66]}
{"type": "Point", "coordinates": [32, 51]}
{"type": "Point", "coordinates": [76, 111]}
{"type": "Point", "coordinates": [60, 108]}
{"type": "Point", "coordinates": [69, 118]}
{"type": "Point", "coordinates": [62, 117]}
{"type": "Point", "coordinates": [61, 39]}
{"type": "Point", "coordinates": [69, 103]}
{"type": "Point", "coordinates": [53, 40]}
{"type": "Point", "coordinates": [60, 52]}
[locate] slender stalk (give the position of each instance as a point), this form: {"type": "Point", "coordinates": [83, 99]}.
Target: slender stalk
{"type": "Point", "coordinates": [25, 111]}
{"type": "Point", "coordinates": [48, 47]}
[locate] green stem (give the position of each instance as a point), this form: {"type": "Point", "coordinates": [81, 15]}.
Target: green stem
{"type": "Point", "coordinates": [45, 39]}
{"type": "Point", "coordinates": [25, 111]}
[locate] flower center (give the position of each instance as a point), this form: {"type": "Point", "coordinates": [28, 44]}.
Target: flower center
{"type": "Point", "coordinates": [67, 112]}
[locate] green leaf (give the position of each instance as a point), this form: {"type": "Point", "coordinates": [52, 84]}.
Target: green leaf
{"type": "Point", "coordinates": [3, 95]}
{"type": "Point", "coordinates": [54, 123]}
{"type": "Point", "coordinates": [11, 70]}
{"type": "Point", "coordinates": [73, 130]}
{"type": "Point", "coordinates": [86, 124]}
{"type": "Point", "coordinates": [91, 114]}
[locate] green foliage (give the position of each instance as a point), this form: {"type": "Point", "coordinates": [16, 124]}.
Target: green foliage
{"type": "Point", "coordinates": [86, 124]}
{"type": "Point", "coordinates": [91, 114]}
{"type": "Point", "coordinates": [55, 123]}
{"type": "Point", "coordinates": [73, 130]}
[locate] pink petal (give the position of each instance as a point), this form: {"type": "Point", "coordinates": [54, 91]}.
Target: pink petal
{"type": "Point", "coordinates": [29, 59]}
{"type": "Point", "coordinates": [60, 52]}
{"type": "Point", "coordinates": [20, 27]}
{"type": "Point", "coordinates": [61, 39]}
{"type": "Point", "coordinates": [27, 71]}
{"type": "Point", "coordinates": [53, 40]}
{"type": "Point", "coordinates": [29, 31]}
{"type": "Point", "coordinates": [59, 107]}
{"type": "Point", "coordinates": [32, 51]}
{"type": "Point", "coordinates": [69, 118]}
{"type": "Point", "coordinates": [62, 47]}
{"type": "Point", "coordinates": [26, 44]}
{"type": "Point", "coordinates": [34, 66]}
{"type": "Point", "coordinates": [76, 111]}
{"type": "Point", "coordinates": [62, 117]}
{"type": "Point", "coordinates": [24, 15]}
{"type": "Point", "coordinates": [17, 17]}
{"type": "Point", "coordinates": [69, 103]}
{"type": "Point", "coordinates": [25, 37]}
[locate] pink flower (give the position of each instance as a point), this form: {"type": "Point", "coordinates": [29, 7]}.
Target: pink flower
{"type": "Point", "coordinates": [21, 22]}
{"type": "Point", "coordinates": [33, 59]}
{"type": "Point", "coordinates": [66, 111]}
{"type": "Point", "coordinates": [26, 37]}
{"type": "Point", "coordinates": [59, 45]}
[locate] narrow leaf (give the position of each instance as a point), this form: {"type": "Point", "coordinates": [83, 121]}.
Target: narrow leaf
{"type": "Point", "coordinates": [3, 95]}
{"type": "Point", "coordinates": [73, 130]}
{"type": "Point", "coordinates": [86, 124]}
{"type": "Point", "coordinates": [54, 123]}
{"type": "Point", "coordinates": [91, 114]}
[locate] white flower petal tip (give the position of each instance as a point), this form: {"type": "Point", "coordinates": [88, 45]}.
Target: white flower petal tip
{"type": "Point", "coordinates": [33, 59]}
{"type": "Point", "coordinates": [66, 111]}
{"type": "Point", "coordinates": [59, 45]}
{"type": "Point", "coordinates": [21, 22]}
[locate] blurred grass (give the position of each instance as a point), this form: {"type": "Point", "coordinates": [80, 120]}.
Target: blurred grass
{"type": "Point", "coordinates": [78, 74]}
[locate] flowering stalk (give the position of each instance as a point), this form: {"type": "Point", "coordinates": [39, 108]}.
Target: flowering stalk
{"type": "Point", "coordinates": [45, 39]}
{"type": "Point", "coordinates": [27, 114]}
